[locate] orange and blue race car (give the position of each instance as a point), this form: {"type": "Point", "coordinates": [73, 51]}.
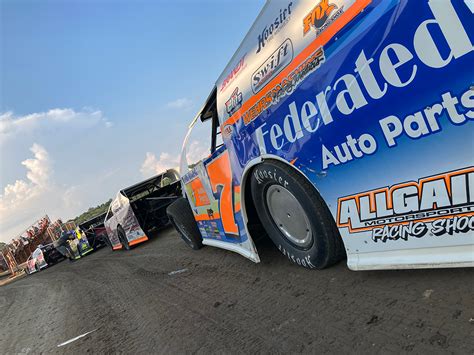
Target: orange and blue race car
{"type": "Point", "coordinates": [340, 128]}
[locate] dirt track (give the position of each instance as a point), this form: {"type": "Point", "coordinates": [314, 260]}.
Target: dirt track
{"type": "Point", "coordinates": [222, 302]}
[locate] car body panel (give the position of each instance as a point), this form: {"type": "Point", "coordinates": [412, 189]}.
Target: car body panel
{"type": "Point", "coordinates": [124, 216]}
{"type": "Point", "coordinates": [95, 231]}
{"type": "Point", "coordinates": [372, 101]}
{"type": "Point", "coordinates": [220, 220]}
{"type": "Point", "coordinates": [36, 261]}
{"type": "Point", "coordinates": [141, 208]}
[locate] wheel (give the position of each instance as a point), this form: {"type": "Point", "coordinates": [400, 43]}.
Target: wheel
{"type": "Point", "coordinates": [295, 216]}
{"type": "Point", "coordinates": [123, 238]}
{"type": "Point", "coordinates": [182, 218]}
{"type": "Point", "coordinates": [107, 241]}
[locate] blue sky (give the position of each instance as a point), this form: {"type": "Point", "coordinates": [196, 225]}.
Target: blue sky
{"type": "Point", "coordinates": [96, 95]}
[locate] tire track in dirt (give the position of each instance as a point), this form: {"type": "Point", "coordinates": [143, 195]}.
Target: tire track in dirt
{"type": "Point", "coordinates": [224, 303]}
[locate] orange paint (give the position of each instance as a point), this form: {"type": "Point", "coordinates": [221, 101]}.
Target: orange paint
{"type": "Point", "coordinates": [139, 240]}
{"type": "Point", "coordinates": [220, 174]}
{"type": "Point", "coordinates": [200, 195]}
{"type": "Point", "coordinates": [207, 217]}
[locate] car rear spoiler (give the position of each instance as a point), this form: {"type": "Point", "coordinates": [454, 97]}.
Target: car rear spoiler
{"type": "Point", "coordinates": [94, 222]}
{"type": "Point", "coordinates": [150, 185]}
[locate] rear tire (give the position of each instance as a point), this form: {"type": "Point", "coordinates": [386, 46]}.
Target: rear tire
{"type": "Point", "coordinates": [295, 216]}
{"type": "Point", "coordinates": [107, 242]}
{"type": "Point", "coordinates": [182, 218]}
{"type": "Point", "coordinates": [123, 238]}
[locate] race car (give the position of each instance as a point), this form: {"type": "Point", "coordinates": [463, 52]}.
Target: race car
{"type": "Point", "coordinates": [343, 128]}
{"type": "Point", "coordinates": [95, 231]}
{"type": "Point", "coordinates": [42, 257]}
{"type": "Point", "coordinates": [139, 211]}
{"type": "Point", "coordinates": [73, 244]}
{"type": "Point", "coordinates": [78, 244]}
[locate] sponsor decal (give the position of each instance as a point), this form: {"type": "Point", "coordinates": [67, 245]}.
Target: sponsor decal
{"type": "Point", "coordinates": [262, 175]}
{"type": "Point", "coordinates": [321, 16]}
{"type": "Point", "coordinates": [262, 100]}
{"type": "Point", "coordinates": [378, 75]}
{"type": "Point", "coordinates": [192, 174]}
{"type": "Point", "coordinates": [234, 73]}
{"type": "Point", "coordinates": [285, 86]}
{"type": "Point", "coordinates": [271, 29]}
{"type": "Point", "coordinates": [234, 102]}
{"type": "Point", "coordinates": [306, 261]}
{"type": "Point", "coordinates": [439, 204]}
{"type": "Point", "coordinates": [273, 65]}
{"type": "Point", "coordinates": [227, 131]}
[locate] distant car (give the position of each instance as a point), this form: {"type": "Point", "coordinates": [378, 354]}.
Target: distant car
{"type": "Point", "coordinates": [77, 244]}
{"type": "Point", "coordinates": [95, 231]}
{"type": "Point", "coordinates": [139, 210]}
{"type": "Point", "coordinates": [42, 257]}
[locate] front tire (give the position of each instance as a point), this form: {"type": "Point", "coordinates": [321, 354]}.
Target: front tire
{"type": "Point", "coordinates": [123, 238]}
{"type": "Point", "coordinates": [182, 218]}
{"type": "Point", "coordinates": [295, 216]}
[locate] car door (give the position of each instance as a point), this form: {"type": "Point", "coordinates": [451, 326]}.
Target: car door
{"type": "Point", "coordinates": [212, 191]}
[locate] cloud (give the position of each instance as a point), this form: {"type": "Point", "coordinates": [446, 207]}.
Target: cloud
{"type": "Point", "coordinates": [18, 201]}
{"type": "Point", "coordinates": [153, 166]}
{"type": "Point", "coordinates": [37, 178]}
{"type": "Point", "coordinates": [197, 151]}
{"type": "Point", "coordinates": [180, 104]}
{"type": "Point", "coordinates": [13, 125]}
{"type": "Point", "coordinates": [39, 193]}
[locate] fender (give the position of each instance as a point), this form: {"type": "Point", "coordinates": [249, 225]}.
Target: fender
{"type": "Point", "coordinates": [243, 188]}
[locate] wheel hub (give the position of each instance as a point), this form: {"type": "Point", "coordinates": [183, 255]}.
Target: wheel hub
{"type": "Point", "coordinates": [289, 216]}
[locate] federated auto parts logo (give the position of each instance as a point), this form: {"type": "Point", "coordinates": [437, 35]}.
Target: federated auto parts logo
{"type": "Point", "coordinates": [403, 211]}
{"type": "Point", "coordinates": [234, 102]}
{"type": "Point", "coordinates": [320, 17]}
{"type": "Point", "coordinates": [273, 65]}
{"type": "Point", "coordinates": [271, 29]}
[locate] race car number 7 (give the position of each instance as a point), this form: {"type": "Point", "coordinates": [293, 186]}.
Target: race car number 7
{"type": "Point", "coordinates": [219, 173]}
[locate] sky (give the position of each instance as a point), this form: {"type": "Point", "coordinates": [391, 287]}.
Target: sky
{"type": "Point", "coordinates": [97, 95]}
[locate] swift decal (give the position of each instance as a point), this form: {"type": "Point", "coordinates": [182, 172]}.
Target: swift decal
{"type": "Point", "coordinates": [273, 65]}
{"type": "Point", "coordinates": [285, 86]}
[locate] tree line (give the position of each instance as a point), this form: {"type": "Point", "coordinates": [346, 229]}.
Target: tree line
{"type": "Point", "coordinates": [92, 212]}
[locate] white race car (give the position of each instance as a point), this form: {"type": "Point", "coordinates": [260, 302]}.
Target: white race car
{"type": "Point", "coordinates": [36, 261]}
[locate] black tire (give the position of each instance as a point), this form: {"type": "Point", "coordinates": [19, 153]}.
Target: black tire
{"type": "Point", "coordinates": [323, 246]}
{"type": "Point", "coordinates": [182, 218]}
{"type": "Point", "coordinates": [123, 238]}
{"type": "Point", "coordinates": [107, 242]}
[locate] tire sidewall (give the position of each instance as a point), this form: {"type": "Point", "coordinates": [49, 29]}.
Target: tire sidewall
{"type": "Point", "coordinates": [267, 174]}
{"type": "Point", "coordinates": [182, 232]}
{"type": "Point", "coordinates": [123, 238]}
